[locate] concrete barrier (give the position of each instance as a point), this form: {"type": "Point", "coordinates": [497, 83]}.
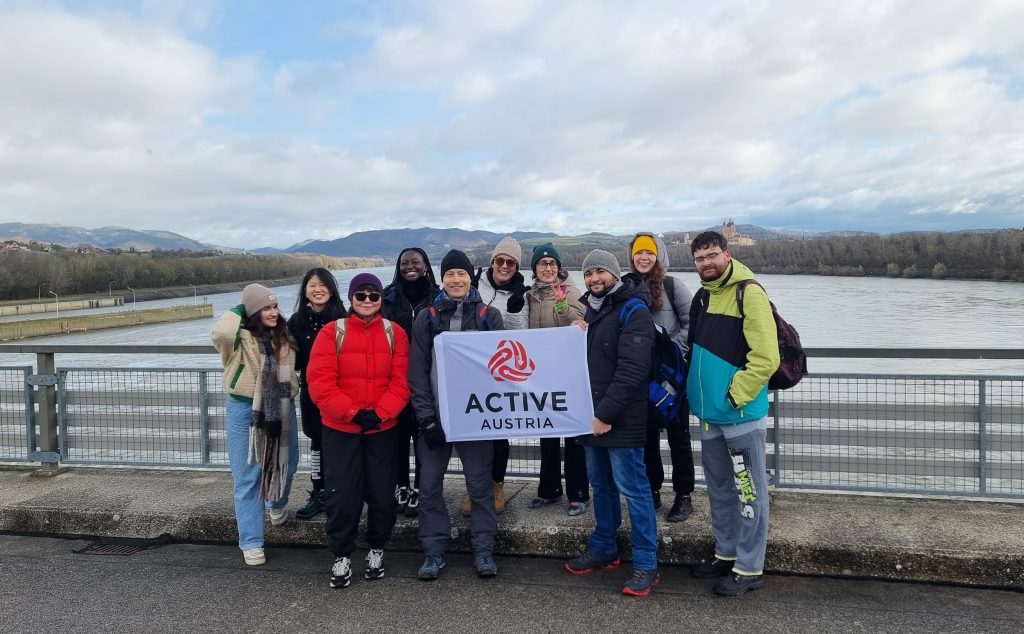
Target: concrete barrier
{"type": "Point", "coordinates": [83, 323]}
{"type": "Point", "coordinates": [35, 308]}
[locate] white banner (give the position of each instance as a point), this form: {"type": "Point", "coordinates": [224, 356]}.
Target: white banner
{"type": "Point", "coordinates": [514, 384]}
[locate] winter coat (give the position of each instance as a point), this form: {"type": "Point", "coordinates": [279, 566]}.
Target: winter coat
{"type": "Point", "coordinates": [731, 356]}
{"type": "Point", "coordinates": [619, 358]}
{"type": "Point", "coordinates": [422, 367]}
{"type": "Point", "coordinates": [673, 316]}
{"type": "Point", "coordinates": [242, 355]}
{"type": "Point", "coordinates": [303, 325]}
{"type": "Point", "coordinates": [498, 298]}
{"type": "Point", "coordinates": [540, 305]}
{"type": "Point", "coordinates": [365, 374]}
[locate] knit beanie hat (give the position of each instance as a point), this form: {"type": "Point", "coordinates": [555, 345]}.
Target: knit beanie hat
{"type": "Point", "coordinates": [362, 280]}
{"type": "Point", "coordinates": [509, 246]}
{"type": "Point", "coordinates": [256, 297]}
{"type": "Point", "coordinates": [456, 259]}
{"type": "Point", "coordinates": [546, 250]}
{"type": "Point", "coordinates": [644, 243]}
{"type": "Point", "coordinates": [600, 259]}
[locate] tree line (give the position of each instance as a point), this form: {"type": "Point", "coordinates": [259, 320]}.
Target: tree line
{"type": "Point", "coordinates": [30, 274]}
{"type": "Point", "coordinates": [991, 255]}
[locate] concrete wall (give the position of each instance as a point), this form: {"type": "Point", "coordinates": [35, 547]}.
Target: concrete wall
{"type": "Point", "coordinates": [33, 308]}
{"type": "Point", "coordinates": [83, 323]}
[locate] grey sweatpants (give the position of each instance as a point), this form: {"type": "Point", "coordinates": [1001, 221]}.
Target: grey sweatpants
{"type": "Point", "coordinates": [734, 469]}
{"type": "Point", "coordinates": [435, 523]}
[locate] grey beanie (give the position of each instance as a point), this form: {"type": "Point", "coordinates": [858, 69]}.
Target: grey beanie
{"type": "Point", "coordinates": [509, 246]}
{"type": "Point", "coordinates": [600, 259]}
{"type": "Point", "coordinates": [256, 297]}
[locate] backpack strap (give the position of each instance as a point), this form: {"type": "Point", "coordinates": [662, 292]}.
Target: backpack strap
{"type": "Point", "coordinates": [481, 318]}
{"type": "Point", "coordinates": [741, 288]}
{"type": "Point", "coordinates": [670, 290]}
{"type": "Point", "coordinates": [341, 327]}
{"type": "Point", "coordinates": [632, 305]}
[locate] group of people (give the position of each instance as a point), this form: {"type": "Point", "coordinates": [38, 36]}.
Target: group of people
{"type": "Point", "coordinates": [366, 379]}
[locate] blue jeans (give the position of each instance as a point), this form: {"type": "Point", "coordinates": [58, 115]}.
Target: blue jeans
{"type": "Point", "coordinates": [246, 476]}
{"type": "Point", "coordinates": [614, 470]}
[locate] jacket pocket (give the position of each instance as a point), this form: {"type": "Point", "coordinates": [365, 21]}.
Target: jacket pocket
{"type": "Point", "coordinates": [238, 374]}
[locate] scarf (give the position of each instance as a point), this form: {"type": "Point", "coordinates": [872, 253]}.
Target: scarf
{"type": "Point", "coordinates": [596, 302]}
{"type": "Point", "coordinates": [271, 408]}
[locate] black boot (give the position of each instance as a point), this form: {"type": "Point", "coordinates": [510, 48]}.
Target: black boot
{"type": "Point", "coordinates": [314, 506]}
{"type": "Point", "coordinates": [681, 508]}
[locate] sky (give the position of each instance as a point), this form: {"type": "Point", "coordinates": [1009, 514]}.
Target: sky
{"type": "Point", "coordinates": [265, 123]}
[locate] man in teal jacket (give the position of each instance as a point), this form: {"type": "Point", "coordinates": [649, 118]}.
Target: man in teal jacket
{"type": "Point", "coordinates": [732, 356]}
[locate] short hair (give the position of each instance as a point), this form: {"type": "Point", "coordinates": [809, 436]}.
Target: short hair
{"type": "Point", "coordinates": [708, 239]}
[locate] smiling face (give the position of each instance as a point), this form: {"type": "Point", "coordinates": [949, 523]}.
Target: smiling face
{"type": "Point", "coordinates": [269, 316]}
{"type": "Point", "coordinates": [711, 262]}
{"type": "Point", "coordinates": [366, 302]}
{"type": "Point", "coordinates": [412, 266]}
{"type": "Point", "coordinates": [644, 260]}
{"type": "Point", "coordinates": [317, 293]}
{"type": "Point", "coordinates": [547, 270]}
{"type": "Point", "coordinates": [599, 281]}
{"type": "Point", "coordinates": [456, 283]}
{"type": "Point", "coordinates": [503, 268]}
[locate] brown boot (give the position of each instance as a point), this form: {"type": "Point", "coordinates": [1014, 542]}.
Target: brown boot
{"type": "Point", "coordinates": [467, 506]}
{"type": "Point", "coordinates": [499, 497]}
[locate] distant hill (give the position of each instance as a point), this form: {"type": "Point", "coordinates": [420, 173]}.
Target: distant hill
{"type": "Point", "coordinates": [104, 237]}
{"type": "Point", "coordinates": [387, 243]}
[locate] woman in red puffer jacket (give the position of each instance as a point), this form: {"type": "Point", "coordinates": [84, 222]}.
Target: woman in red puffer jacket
{"type": "Point", "coordinates": [360, 387]}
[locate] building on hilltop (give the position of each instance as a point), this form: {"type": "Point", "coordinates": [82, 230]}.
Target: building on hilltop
{"type": "Point", "coordinates": [733, 237]}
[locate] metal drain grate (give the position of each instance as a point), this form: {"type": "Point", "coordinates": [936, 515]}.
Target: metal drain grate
{"type": "Point", "coordinates": [110, 549]}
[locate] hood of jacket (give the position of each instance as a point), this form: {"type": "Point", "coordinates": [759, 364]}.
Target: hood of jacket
{"type": "Point", "coordinates": [662, 250]}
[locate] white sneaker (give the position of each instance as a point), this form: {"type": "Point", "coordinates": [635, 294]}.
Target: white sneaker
{"type": "Point", "coordinates": [254, 556]}
{"type": "Point", "coordinates": [341, 572]}
{"type": "Point", "coordinates": [278, 516]}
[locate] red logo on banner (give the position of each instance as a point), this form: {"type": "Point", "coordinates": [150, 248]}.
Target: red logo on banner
{"type": "Point", "coordinates": [510, 362]}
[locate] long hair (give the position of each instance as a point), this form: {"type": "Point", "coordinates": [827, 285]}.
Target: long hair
{"type": "Point", "coordinates": [335, 308]}
{"type": "Point", "coordinates": [278, 335]}
{"type": "Point", "coordinates": [655, 280]}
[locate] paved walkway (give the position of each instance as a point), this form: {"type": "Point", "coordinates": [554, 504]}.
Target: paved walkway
{"type": "Point", "coordinates": [938, 540]}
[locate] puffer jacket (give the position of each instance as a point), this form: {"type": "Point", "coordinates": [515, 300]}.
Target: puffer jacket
{"type": "Point", "coordinates": [620, 365]}
{"type": "Point", "coordinates": [242, 356]}
{"type": "Point", "coordinates": [673, 316]}
{"type": "Point", "coordinates": [365, 374]}
{"type": "Point", "coordinates": [422, 368]}
{"type": "Point", "coordinates": [731, 356]}
{"type": "Point", "coordinates": [498, 298]}
{"type": "Point", "coordinates": [540, 303]}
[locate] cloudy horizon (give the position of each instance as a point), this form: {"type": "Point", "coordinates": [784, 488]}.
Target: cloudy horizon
{"type": "Point", "coordinates": [253, 125]}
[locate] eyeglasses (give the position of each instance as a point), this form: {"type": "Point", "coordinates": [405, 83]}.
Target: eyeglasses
{"type": "Point", "coordinates": [504, 263]}
{"type": "Point", "coordinates": [547, 264]}
{"type": "Point", "coordinates": [710, 257]}
{"type": "Point", "coordinates": [360, 296]}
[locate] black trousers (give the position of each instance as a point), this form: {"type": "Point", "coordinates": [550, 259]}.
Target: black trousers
{"type": "Point", "coordinates": [577, 487]}
{"type": "Point", "coordinates": [681, 452]}
{"type": "Point", "coordinates": [500, 464]}
{"type": "Point", "coordinates": [312, 426]}
{"type": "Point", "coordinates": [359, 468]}
{"type": "Point", "coordinates": [408, 429]}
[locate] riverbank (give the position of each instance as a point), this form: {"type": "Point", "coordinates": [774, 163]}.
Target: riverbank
{"type": "Point", "coordinates": [12, 331]}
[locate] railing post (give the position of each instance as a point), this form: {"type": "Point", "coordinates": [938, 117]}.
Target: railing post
{"type": "Point", "coordinates": [30, 414]}
{"type": "Point", "coordinates": [982, 438]}
{"type": "Point", "coordinates": [204, 420]}
{"type": "Point", "coordinates": [46, 390]}
{"type": "Point", "coordinates": [775, 434]}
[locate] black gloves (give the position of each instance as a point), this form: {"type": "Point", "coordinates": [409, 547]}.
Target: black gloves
{"type": "Point", "coordinates": [517, 300]}
{"type": "Point", "coordinates": [367, 419]}
{"type": "Point", "coordinates": [432, 434]}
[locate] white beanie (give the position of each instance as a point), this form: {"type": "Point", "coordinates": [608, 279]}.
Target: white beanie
{"type": "Point", "coordinates": [509, 246]}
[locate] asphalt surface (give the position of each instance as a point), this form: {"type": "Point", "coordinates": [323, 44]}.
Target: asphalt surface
{"type": "Point", "coordinates": [46, 587]}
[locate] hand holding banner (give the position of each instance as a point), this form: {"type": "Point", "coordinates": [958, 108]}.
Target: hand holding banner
{"type": "Point", "coordinates": [514, 384]}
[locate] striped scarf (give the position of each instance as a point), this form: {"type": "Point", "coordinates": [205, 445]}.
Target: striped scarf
{"type": "Point", "coordinates": [271, 417]}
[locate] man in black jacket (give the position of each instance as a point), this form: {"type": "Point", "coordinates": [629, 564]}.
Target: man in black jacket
{"type": "Point", "coordinates": [619, 355]}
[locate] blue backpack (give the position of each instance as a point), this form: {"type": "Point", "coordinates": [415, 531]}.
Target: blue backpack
{"type": "Point", "coordinates": [666, 392]}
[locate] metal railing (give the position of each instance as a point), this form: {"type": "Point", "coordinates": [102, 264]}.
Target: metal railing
{"type": "Point", "coordinates": [935, 434]}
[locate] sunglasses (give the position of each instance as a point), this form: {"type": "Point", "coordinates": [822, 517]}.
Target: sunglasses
{"type": "Point", "coordinates": [504, 263]}
{"type": "Point", "coordinates": [361, 296]}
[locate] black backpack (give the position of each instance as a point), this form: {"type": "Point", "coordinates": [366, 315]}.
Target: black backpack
{"type": "Point", "coordinates": [792, 358]}
{"type": "Point", "coordinates": [666, 392]}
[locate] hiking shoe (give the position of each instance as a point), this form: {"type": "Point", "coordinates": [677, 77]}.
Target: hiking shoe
{"type": "Point", "coordinates": [341, 572]}
{"type": "Point", "coordinates": [539, 502]}
{"type": "Point", "coordinates": [576, 508]}
{"type": "Point", "coordinates": [254, 556]}
{"type": "Point", "coordinates": [413, 508]}
{"type": "Point", "coordinates": [278, 516]}
{"type": "Point", "coordinates": [431, 568]}
{"type": "Point", "coordinates": [499, 497]}
{"type": "Point", "coordinates": [681, 509]}
{"type": "Point", "coordinates": [591, 561]}
{"type": "Point", "coordinates": [657, 499]}
{"type": "Point", "coordinates": [314, 506]}
{"type": "Point", "coordinates": [374, 564]}
{"type": "Point", "coordinates": [467, 506]}
{"type": "Point", "coordinates": [401, 499]}
{"type": "Point", "coordinates": [485, 566]}
{"type": "Point", "coordinates": [735, 585]}
{"type": "Point", "coordinates": [640, 584]}
{"type": "Point", "coordinates": [714, 567]}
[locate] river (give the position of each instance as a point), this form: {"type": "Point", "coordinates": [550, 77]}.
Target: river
{"type": "Point", "coordinates": [827, 311]}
